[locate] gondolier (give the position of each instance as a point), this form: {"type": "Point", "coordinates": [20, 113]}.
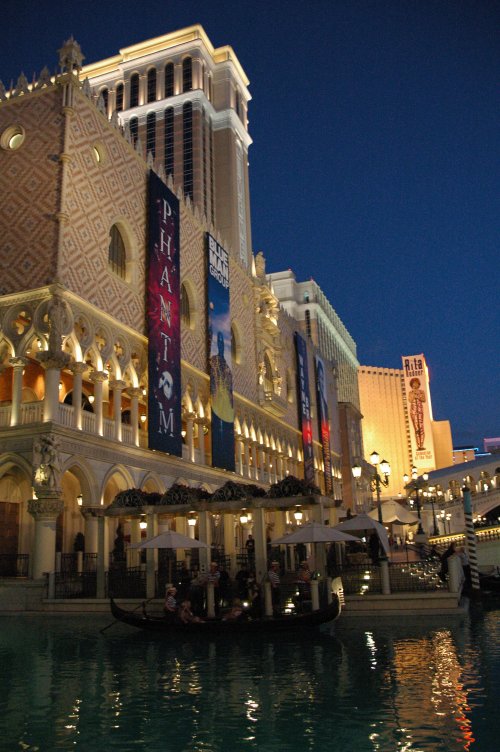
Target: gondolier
{"type": "Point", "coordinates": [274, 580]}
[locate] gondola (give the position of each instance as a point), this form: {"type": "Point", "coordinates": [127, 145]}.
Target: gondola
{"type": "Point", "coordinates": [284, 623]}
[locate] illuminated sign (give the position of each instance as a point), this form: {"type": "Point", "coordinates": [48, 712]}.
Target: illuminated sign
{"type": "Point", "coordinates": [418, 399]}
{"type": "Point", "coordinates": [304, 407]}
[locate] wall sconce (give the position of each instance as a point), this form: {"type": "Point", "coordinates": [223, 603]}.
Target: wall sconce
{"type": "Point", "coordinates": [183, 434]}
{"type": "Point", "coordinates": [91, 399]}
{"type": "Point", "coordinates": [143, 391]}
{"type": "Point", "coordinates": [191, 520]}
{"type": "Point", "coordinates": [143, 418]}
{"type": "Point", "coordinates": [298, 514]}
{"type": "Point", "coordinates": [60, 386]}
{"type": "Point", "coordinates": [79, 500]}
{"type": "Point", "coordinates": [143, 524]}
{"type": "Point", "coordinates": [243, 517]}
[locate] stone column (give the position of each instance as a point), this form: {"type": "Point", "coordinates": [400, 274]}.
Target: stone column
{"type": "Point", "coordinates": [259, 534]}
{"type": "Point", "coordinates": [52, 365]}
{"type": "Point", "coordinates": [202, 424]}
{"type": "Point", "coordinates": [263, 463]}
{"type": "Point", "coordinates": [134, 554]}
{"type": "Point", "coordinates": [98, 378]}
{"type": "Point", "coordinates": [102, 555]}
{"type": "Point", "coordinates": [246, 450]}
{"type": "Point", "coordinates": [143, 88]}
{"type": "Point", "coordinates": [255, 473]}
{"type": "Point", "coordinates": [151, 555]}
{"type": "Point", "coordinates": [239, 454]}
{"type": "Point", "coordinates": [190, 435]}
{"type": "Point", "coordinates": [134, 394]}
{"type": "Point", "coordinates": [45, 510]}
{"type": "Point", "coordinates": [117, 386]}
{"type": "Point", "coordinates": [90, 515]}
{"type": "Point", "coordinates": [78, 370]}
{"type": "Point", "coordinates": [229, 544]}
{"type": "Point", "coordinates": [18, 366]}
{"type": "Point", "coordinates": [205, 531]}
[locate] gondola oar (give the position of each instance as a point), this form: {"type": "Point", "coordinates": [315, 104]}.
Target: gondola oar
{"type": "Point", "coordinates": [134, 609]}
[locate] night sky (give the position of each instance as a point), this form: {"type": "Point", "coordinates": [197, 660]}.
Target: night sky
{"type": "Point", "coordinates": [375, 129]}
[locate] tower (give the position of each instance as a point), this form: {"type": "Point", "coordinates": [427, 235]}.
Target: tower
{"type": "Point", "coordinates": [185, 103]}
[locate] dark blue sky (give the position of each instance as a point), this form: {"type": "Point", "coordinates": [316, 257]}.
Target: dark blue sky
{"type": "Point", "coordinates": [375, 128]}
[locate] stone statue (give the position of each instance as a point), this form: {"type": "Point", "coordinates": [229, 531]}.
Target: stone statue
{"type": "Point", "coordinates": [59, 319]}
{"type": "Point", "coordinates": [260, 264]}
{"type": "Point", "coordinates": [46, 464]}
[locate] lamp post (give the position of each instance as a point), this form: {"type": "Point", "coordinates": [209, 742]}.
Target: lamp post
{"type": "Point", "coordinates": [432, 498]}
{"type": "Point", "coordinates": [377, 480]}
{"type": "Point", "coordinates": [416, 485]}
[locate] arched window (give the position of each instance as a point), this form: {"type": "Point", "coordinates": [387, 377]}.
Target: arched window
{"type": "Point", "coordinates": [104, 93]}
{"type": "Point", "coordinates": [187, 121]}
{"type": "Point", "coordinates": [119, 97]}
{"type": "Point", "coordinates": [185, 307]}
{"type": "Point", "coordinates": [169, 80]}
{"type": "Point", "coordinates": [134, 130]}
{"type": "Point", "coordinates": [169, 141]}
{"type": "Point", "coordinates": [134, 90]}
{"type": "Point", "coordinates": [151, 133]}
{"type": "Point", "coordinates": [117, 257]}
{"type": "Point", "coordinates": [152, 85]}
{"type": "Point", "coordinates": [187, 74]}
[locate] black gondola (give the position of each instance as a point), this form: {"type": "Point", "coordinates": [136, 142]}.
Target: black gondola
{"type": "Point", "coordinates": [284, 623]}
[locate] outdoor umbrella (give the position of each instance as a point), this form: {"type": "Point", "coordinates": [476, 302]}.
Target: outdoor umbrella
{"type": "Point", "coordinates": [314, 532]}
{"type": "Point", "coordinates": [363, 523]}
{"type": "Point", "coordinates": [170, 539]}
{"type": "Point", "coordinates": [393, 511]}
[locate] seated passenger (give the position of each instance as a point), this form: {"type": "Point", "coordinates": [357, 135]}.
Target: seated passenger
{"type": "Point", "coordinates": [236, 611]}
{"type": "Point", "coordinates": [186, 615]}
{"type": "Point", "coordinates": [170, 606]}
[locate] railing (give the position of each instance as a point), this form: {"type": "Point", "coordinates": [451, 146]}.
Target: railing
{"type": "Point", "coordinates": [360, 580]}
{"type": "Point", "coordinates": [5, 416]}
{"type": "Point", "coordinates": [88, 422]}
{"type": "Point", "coordinates": [66, 415]}
{"type": "Point", "coordinates": [14, 565]}
{"type": "Point", "coordinates": [126, 583]}
{"type": "Point", "coordinates": [72, 585]}
{"type": "Point", "coordinates": [415, 576]}
{"type": "Point", "coordinates": [31, 412]}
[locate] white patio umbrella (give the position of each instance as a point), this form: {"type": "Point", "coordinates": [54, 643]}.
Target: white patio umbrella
{"type": "Point", "coordinates": [314, 532]}
{"type": "Point", "coordinates": [363, 523]}
{"type": "Point", "coordinates": [393, 511]}
{"type": "Point", "coordinates": [170, 539]}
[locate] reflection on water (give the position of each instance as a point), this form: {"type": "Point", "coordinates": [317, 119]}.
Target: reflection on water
{"type": "Point", "coordinates": [426, 686]}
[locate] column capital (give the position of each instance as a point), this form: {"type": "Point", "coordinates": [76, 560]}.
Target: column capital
{"type": "Point", "coordinates": [78, 367]}
{"type": "Point", "coordinates": [56, 360]}
{"type": "Point", "coordinates": [118, 384]}
{"type": "Point", "coordinates": [134, 391]}
{"type": "Point", "coordinates": [47, 507]}
{"type": "Point", "coordinates": [92, 512]}
{"type": "Point", "coordinates": [18, 362]}
{"type": "Point", "coordinates": [98, 376]}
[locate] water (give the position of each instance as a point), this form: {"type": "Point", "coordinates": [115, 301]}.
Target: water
{"type": "Point", "coordinates": [429, 685]}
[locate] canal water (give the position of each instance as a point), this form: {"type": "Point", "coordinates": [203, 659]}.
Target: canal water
{"type": "Point", "coordinates": [428, 685]}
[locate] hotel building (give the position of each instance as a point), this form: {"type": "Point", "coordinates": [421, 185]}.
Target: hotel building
{"type": "Point", "coordinates": [79, 156]}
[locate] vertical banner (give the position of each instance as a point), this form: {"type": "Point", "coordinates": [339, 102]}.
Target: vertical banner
{"type": "Point", "coordinates": [323, 422]}
{"type": "Point", "coordinates": [219, 355]}
{"type": "Point", "coordinates": [163, 320]}
{"type": "Point", "coordinates": [418, 398]}
{"type": "Point", "coordinates": [304, 407]}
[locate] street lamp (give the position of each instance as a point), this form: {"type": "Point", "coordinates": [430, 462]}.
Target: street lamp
{"type": "Point", "coordinates": [432, 498]}
{"type": "Point", "coordinates": [376, 481]}
{"type": "Point", "coordinates": [416, 485]}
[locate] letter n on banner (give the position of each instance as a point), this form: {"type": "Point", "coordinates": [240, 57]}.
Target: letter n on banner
{"type": "Point", "coordinates": [219, 355]}
{"type": "Point", "coordinates": [163, 320]}
{"type": "Point", "coordinates": [324, 425]}
{"type": "Point", "coordinates": [304, 407]}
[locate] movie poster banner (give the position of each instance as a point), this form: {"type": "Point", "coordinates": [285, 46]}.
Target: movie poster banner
{"type": "Point", "coordinates": [323, 422]}
{"type": "Point", "coordinates": [219, 355]}
{"type": "Point", "coordinates": [418, 398]}
{"type": "Point", "coordinates": [163, 320]}
{"type": "Point", "coordinates": [304, 407]}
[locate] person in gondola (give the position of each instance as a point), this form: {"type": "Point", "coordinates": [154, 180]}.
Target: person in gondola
{"type": "Point", "coordinates": [170, 607]}
{"type": "Point", "coordinates": [186, 615]}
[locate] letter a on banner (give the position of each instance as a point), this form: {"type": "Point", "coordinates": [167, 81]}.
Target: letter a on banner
{"type": "Point", "coordinates": [163, 320]}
